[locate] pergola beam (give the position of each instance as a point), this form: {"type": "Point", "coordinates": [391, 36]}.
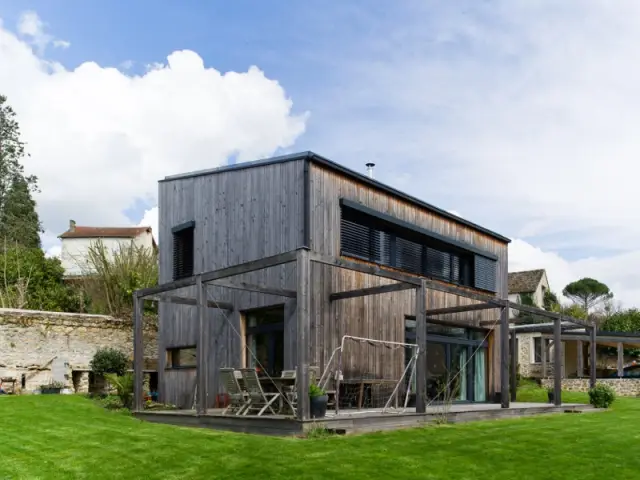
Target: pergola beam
{"type": "Point", "coordinates": [504, 357]}
{"type": "Point", "coordinates": [363, 292]}
{"type": "Point", "coordinates": [545, 313]}
{"type": "Point", "coordinates": [461, 309]}
{"type": "Point", "coordinates": [280, 292]}
{"type": "Point", "coordinates": [557, 363]}
{"type": "Point", "coordinates": [138, 353]}
{"type": "Point", "coordinates": [364, 268]}
{"type": "Point", "coordinates": [189, 301]}
{"type": "Point", "coordinates": [252, 266]}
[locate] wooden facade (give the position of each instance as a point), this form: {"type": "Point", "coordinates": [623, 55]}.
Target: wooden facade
{"type": "Point", "coordinates": [257, 210]}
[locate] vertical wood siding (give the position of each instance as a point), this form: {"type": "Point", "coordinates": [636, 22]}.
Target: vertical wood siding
{"type": "Point", "coordinates": [240, 216]}
{"type": "Point", "coordinates": [380, 316]}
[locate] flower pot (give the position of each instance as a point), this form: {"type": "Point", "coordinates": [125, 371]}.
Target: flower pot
{"type": "Point", "coordinates": [50, 391]}
{"type": "Point", "coordinates": [318, 406]}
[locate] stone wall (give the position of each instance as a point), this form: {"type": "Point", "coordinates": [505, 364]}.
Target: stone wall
{"type": "Point", "coordinates": [625, 387]}
{"type": "Point", "coordinates": [32, 342]}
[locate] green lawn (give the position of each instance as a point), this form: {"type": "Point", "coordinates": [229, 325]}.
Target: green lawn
{"type": "Point", "coordinates": [60, 437]}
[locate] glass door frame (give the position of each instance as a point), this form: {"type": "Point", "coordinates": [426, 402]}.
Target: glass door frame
{"type": "Point", "coordinates": [449, 342]}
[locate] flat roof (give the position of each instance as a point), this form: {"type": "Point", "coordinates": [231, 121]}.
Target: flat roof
{"type": "Point", "coordinates": [314, 157]}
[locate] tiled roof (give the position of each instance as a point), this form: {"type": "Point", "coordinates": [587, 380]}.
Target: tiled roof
{"type": "Point", "coordinates": [104, 232]}
{"type": "Point", "coordinates": [525, 282]}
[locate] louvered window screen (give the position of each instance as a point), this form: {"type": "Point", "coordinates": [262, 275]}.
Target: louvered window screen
{"type": "Point", "coordinates": [365, 237]}
{"type": "Point", "coordinates": [485, 273]}
{"type": "Point", "coordinates": [183, 252]}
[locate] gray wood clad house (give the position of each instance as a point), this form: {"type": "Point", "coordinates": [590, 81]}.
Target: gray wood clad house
{"type": "Point", "coordinates": [226, 216]}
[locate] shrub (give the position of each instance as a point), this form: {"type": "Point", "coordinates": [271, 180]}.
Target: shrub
{"type": "Point", "coordinates": [315, 391]}
{"type": "Point", "coordinates": [109, 360]}
{"type": "Point", "coordinates": [601, 396]}
{"type": "Point", "coordinates": [111, 402]}
{"type": "Point", "coordinates": [124, 387]}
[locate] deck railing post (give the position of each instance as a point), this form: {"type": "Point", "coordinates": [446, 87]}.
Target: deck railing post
{"type": "Point", "coordinates": [138, 352]}
{"type": "Point", "coordinates": [421, 340]}
{"type": "Point", "coordinates": [303, 309]}
{"type": "Point", "coordinates": [557, 362]}
{"type": "Point", "coordinates": [504, 357]}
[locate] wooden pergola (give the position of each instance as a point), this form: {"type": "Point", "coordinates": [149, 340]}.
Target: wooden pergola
{"type": "Point", "coordinates": [303, 257]}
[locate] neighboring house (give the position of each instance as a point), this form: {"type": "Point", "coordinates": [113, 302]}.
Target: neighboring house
{"type": "Point", "coordinates": [223, 217]}
{"type": "Point", "coordinates": [533, 284]}
{"type": "Point", "coordinates": [77, 241]}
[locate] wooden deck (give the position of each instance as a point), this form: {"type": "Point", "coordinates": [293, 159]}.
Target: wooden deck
{"type": "Point", "coordinates": [354, 421]}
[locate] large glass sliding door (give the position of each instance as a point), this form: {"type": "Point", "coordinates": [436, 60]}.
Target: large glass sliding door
{"type": "Point", "coordinates": [456, 363]}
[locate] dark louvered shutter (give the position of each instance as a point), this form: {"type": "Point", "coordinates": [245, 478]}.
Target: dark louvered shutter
{"type": "Point", "coordinates": [438, 263]}
{"type": "Point", "coordinates": [455, 268]}
{"type": "Point", "coordinates": [183, 253]}
{"type": "Point", "coordinates": [485, 273]}
{"type": "Point", "coordinates": [355, 239]}
{"type": "Point", "coordinates": [408, 255]}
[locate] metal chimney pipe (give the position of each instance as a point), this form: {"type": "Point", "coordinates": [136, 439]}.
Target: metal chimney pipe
{"type": "Point", "coordinates": [370, 169]}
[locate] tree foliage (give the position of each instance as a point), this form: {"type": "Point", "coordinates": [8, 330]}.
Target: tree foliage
{"type": "Point", "coordinates": [30, 280]}
{"type": "Point", "coordinates": [622, 321]}
{"type": "Point", "coordinates": [587, 292]}
{"type": "Point", "coordinates": [551, 302]}
{"type": "Point", "coordinates": [19, 221]}
{"type": "Point", "coordinates": [111, 277]}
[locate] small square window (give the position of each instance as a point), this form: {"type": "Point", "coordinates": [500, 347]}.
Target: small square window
{"type": "Point", "coordinates": [182, 357]}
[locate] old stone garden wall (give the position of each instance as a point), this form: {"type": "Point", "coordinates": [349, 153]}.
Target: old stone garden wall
{"type": "Point", "coordinates": [625, 387]}
{"type": "Point", "coordinates": [37, 346]}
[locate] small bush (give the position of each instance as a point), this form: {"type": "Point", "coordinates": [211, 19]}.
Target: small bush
{"type": "Point", "coordinates": [124, 387]}
{"type": "Point", "coordinates": [109, 360]}
{"type": "Point", "coordinates": [111, 402]}
{"type": "Point", "coordinates": [601, 396]}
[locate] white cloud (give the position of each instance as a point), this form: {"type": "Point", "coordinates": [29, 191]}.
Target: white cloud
{"type": "Point", "coordinates": [150, 219]}
{"type": "Point", "coordinates": [30, 25]}
{"type": "Point", "coordinates": [100, 139]}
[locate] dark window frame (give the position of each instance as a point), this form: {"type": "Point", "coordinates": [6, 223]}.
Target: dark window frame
{"type": "Point", "coordinates": [401, 245]}
{"type": "Point", "coordinates": [183, 250]}
{"type": "Point", "coordinates": [173, 358]}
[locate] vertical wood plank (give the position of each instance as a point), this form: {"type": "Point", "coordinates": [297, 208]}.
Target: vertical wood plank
{"type": "Point", "coordinates": [580, 347]}
{"type": "Point", "coordinates": [620, 360]}
{"type": "Point", "coordinates": [557, 362]}
{"type": "Point", "coordinates": [514, 365]}
{"type": "Point", "coordinates": [202, 344]}
{"type": "Point", "coordinates": [504, 357]}
{"type": "Point", "coordinates": [421, 340]}
{"type": "Point", "coordinates": [592, 360]}
{"type": "Point", "coordinates": [138, 352]}
{"type": "Point", "coordinates": [290, 334]}
{"type": "Point", "coordinates": [304, 319]}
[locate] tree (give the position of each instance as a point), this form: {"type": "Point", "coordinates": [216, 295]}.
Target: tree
{"type": "Point", "coordinates": [587, 292]}
{"type": "Point", "coordinates": [551, 303]}
{"type": "Point", "coordinates": [30, 280]}
{"type": "Point", "coordinates": [19, 222]}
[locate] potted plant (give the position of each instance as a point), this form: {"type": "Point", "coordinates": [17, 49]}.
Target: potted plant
{"type": "Point", "coordinates": [318, 399]}
{"type": "Point", "coordinates": [550, 394]}
{"type": "Point", "coordinates": [51, 388]}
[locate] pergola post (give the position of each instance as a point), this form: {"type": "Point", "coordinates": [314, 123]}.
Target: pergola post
{"type": "Point", "coordinates": [592, 360]}
{"type": "Point", "coordinates": [138, 353]}
{"type": "Point", "coordinates": [421, 340]}
{"type": "Point", "coordinates": [202, 347]}
{"type": "Point", "coordinates": [557, 362]}
{"type": "Point", "coordinates": [620, 360]}
{"type": "Point", "coordinates": [303, 310]}
{"type": "Point", "coordinates": [544, 345]}
{"type": "Point", "coordinates": [504, 357]}
{"type": "Point", "coordinates": [514, 366]}
{"type": "Point", "coordinates": [580, 348]}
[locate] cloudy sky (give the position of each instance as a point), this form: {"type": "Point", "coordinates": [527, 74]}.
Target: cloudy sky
{"type": "Point", "coordinates": [520, 116]}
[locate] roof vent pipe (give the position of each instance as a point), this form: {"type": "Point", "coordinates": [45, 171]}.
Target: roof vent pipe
{"type": "Point", "coordinates": [370, 169]}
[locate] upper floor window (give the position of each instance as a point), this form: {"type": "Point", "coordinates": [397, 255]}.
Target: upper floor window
{"type": "Point", "coordinates": [378, 238]}
{"type": "Point", "coordinates": [183, 250]}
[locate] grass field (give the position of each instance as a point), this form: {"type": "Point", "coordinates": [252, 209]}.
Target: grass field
{"type": "Point", "coordinates": [61, 437]}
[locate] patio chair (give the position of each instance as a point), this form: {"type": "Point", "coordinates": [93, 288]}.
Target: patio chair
{"type": "Point", "coordinates": [258, 399]}
{"type": "Point", "coordinates": [238, 398]}
{"type": "Point", "coordinates": [290, 391]}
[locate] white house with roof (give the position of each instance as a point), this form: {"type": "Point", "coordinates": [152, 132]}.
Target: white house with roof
{"type": "Point", "coordinates": [77, 240]}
